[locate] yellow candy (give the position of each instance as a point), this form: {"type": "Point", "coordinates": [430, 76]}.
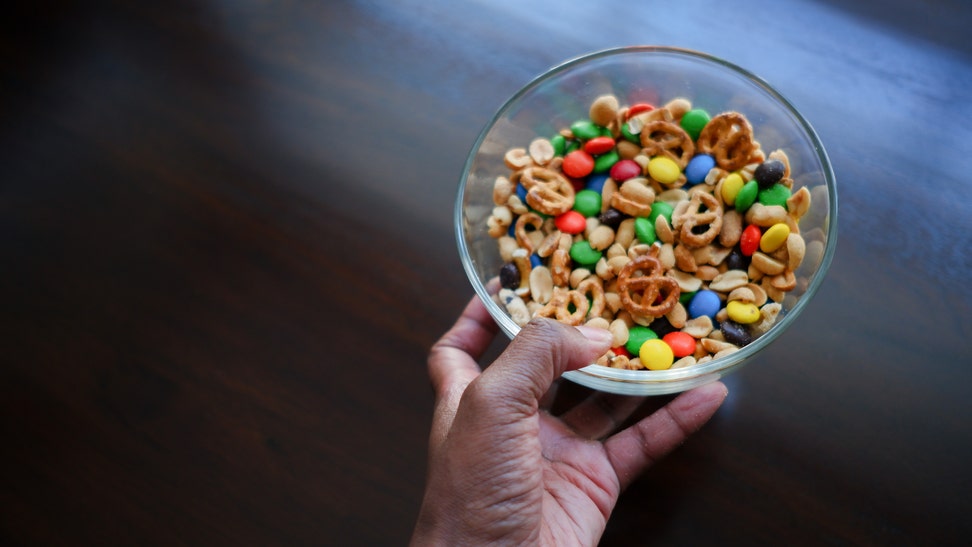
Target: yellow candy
{"type": "Point", "coordinates": [730, 187]}
{"type": "Point", "coordinates": [742, 312]}
{"type": "Point", "coordinates": [655, 354]}
{"type": "Point", "coordinates": [663, 169]}
{"type": "Point", "coordinates": [774, 237]}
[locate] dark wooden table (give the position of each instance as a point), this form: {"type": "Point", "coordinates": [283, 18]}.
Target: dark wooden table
{"type": "Point", "coordinates": [227, 245]}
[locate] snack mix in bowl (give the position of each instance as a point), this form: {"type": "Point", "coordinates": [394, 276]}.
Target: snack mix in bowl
{"type": "Point", "coordinates": [667, 220]}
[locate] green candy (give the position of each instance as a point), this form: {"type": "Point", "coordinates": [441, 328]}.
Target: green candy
{"type": "Point", "coordinates": [638, 335]}
{"type": "Point", "coordinates": [645, 230]}
{"type": "Point", "coordinates": [747, 196]}
{"type": "Point", "coordinates": [585, 129]}
{"type": "Point", "coordinates": [604, 162]}
{"type": "Point", "coordinates": [587, 202]}
{"type": "Point", "coordinates": [693, 121]}
{"type": "Point", "coordinates": [774, 195]}
{"type": "Point", "coordinates": [559, 143]}
{"type": "Point", "coordinates": [582, 253]}
{"type": "Point", "coordinates": [685, 297]}
{"type": "Point", "coordinates": [663, 209]}
{"type": "Point", "coordinates": [627, 134]}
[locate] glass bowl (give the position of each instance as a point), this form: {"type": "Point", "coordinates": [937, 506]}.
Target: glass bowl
{"type": "Point", "coordinates": [564, 94]}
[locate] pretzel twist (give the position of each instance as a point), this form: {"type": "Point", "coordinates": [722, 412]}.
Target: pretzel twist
{"type": "Point", "coordinates": [703, 209]}
{"type": "Point", "coordinates": [559, 306]}
{"type": "Point", "coordinates": [664, 138]}
{"type": "Point", "coordinates": [728, 138]}
{"type": "Point", "coordinates": [593, 288]}
{"type": "Point", "coordinates": [645, 290]}
{"type": "Point", "coordinates": [519, 231]}
{"type": "Point", "coordinates": [547, 190]}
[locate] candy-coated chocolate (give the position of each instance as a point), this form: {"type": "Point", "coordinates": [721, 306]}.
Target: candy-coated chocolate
{"type": "Point", "coordinates": [578, 164]}
{"type": "Point", "coordinates": [571, 222]}
{"type": "Point", "coordinates": [587, 202]}
{"type": "Point", "coordinates": [742, 312]}
{"type": "Point", "coordinates": [749, 240]}
{"type": "Point", "coordinates": [582, 253]}
{"type": "Point", "coordinates": [769, 173]}
{"type": "Point", "coordinates": [685, 297]}
{"type": "Point", "coordinates": [509, 276]}
{"type": "Point", "coordinates": [621, 351]}
{"type": "Point", "coordinates": [663, 169]}
{"type": "Point", "coordinates": [624, 170]}
{"type": "Point", "coordinates": [682, 344]}
{"type": "Point", "coordinates": [611, 217]}
{"type": "Point", "coordinates": [705, 302]}
{"type": "Point", "coordinates": [559, 143]}
{"type": "Point", "coordinates": [736, 260]}
{"type": "Point", "coordinates": [731, 185]}
{"type": "Point", "coordinates": [604, 162]}
{"type": "Point", "coordinates": [698, 167]}
{"type": "Point", "coordinates": [693, 121]}
{"type": "Point", "coordinates": [599, 145]}
{"type": "Point", "coordinates": [746, 196]}
{"type": "Point", "coordinates": [585, 129]}
{"type": "Point", "coordinates": [735, 333]}
{"type": "Point", "coordinates": [638, 335]}
{"type": "Point", "coordinates": [661, 326]}
{"type": "Point", "coordinates": [638, 108]}
{"type": "Point", "coordinates": [656, 355]}
{"type": "Point", "coordinates": [644, 230]}
{"type": "Point", "coordinates": [596, 183]}
{"type": "Point", "coordinates": [663, 209]}
{"type": "Point", "coordinates": [776, 194]}
{"type": "Point", "coordinates": [521, 192]}
{"type": "Point", "coordinates": [774, 237]}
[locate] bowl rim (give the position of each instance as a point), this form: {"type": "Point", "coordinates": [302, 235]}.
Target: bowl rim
{"type": "Point", "coordinates": [671, 380]}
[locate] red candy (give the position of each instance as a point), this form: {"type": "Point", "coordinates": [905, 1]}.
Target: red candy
{"type": "Point", "coordinates": [599, 145]}
{"type": "Point", "coordinates": [624, 170]}
{"type": "Point", "coordinates": [682, 344]}
{"type": "Point", "coordinates": [578, 164]}
{"type": "Point", "coordinates": [621, 351]}
{"type": "Point", "coordinates": [636, 109]}
{"type": "Point", "coordinates": [571, 222]}
{"type": "Point", "coordinates": [749, 241]}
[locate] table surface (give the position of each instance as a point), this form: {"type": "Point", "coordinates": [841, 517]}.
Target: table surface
{"type": "Point", "coordinates": [227, 247]}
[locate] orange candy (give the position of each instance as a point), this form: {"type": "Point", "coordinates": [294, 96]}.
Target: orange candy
{"type": "Point", "coordinates": [682, 344]}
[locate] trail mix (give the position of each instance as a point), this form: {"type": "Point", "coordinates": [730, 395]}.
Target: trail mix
{"type": "Point", "coordinates": [667, 226]}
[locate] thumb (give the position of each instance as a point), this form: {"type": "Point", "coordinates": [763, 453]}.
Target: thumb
{"type": "Point", "coordinates": [542, 351]}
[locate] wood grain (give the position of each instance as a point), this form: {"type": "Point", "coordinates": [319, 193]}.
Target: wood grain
{"type": "Point", "coordinates": [227, 246]}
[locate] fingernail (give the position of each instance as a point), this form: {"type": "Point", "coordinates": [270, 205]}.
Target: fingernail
{"type": "Point", "coordinates": [599, 336]}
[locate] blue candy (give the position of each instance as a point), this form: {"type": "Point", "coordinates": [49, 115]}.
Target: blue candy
{"type": "Point", "coordinates": [521, 192]}
{"type": "Point", "coordinates": [705, 302]}
{"type": "Point", "coordinates": [596, 183]}
{"type": "Point", "coordinates": [698, 167]}
{"type": "Point", "coordinates": [535, 260]}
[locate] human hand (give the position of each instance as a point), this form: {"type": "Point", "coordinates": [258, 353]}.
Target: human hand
{"type": "Point", "coordinates": [502, 469]}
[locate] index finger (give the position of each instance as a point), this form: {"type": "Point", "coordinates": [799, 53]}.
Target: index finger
{"type": "Point", "coordinates": [453, 358]}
